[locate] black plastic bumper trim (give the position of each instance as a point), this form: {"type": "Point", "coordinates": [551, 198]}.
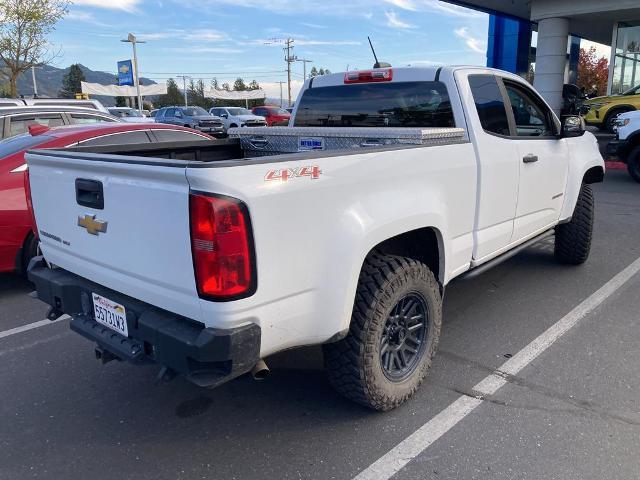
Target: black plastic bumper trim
{"type": "Point", "coordinates": [206, 356]}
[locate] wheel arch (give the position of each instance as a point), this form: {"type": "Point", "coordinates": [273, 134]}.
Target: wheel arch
{"type": "Point", "coordinates": [593, 175]}
{"type": "Point", "coordinates": [423, 244]}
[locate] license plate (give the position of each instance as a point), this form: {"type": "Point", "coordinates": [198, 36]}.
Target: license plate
{"type": "Point", "coordinates": [110, 314]}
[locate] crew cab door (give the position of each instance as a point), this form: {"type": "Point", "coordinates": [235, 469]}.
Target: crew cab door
{"type": "Point", "coordinates": [543, 160]}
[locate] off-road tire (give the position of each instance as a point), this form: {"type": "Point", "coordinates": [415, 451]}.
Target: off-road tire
{"type": "Point", "coordinates": [353, 364]}
{"type": "Point", "coordinates": [633, 164]}
{"type": "Point", "coordinates": [573, 239]}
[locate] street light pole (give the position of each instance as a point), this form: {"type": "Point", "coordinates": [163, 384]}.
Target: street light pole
{"type": "Point", "coordinates": [304, 63]}
{"type": "Point", "coordinates": [131, 38]}
{"type": "Point", "coordinates": [35, 86]}
{"type": "Point", "coordinates": [184, 88]}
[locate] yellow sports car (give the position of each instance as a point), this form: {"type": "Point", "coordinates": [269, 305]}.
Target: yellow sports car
{"type": "Point", "coordinates": [602, 111]}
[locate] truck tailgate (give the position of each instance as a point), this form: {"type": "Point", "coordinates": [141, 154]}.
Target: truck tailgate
{"type": "Point", "coordinates": [137, 242]}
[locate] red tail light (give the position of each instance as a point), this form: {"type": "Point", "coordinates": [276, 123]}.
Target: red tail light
{"type": "Point", "coordinates": [27, 192]}
{"type": "Point", "coordinates": [369, 76]}
{"type": "Point", "coordinates": [221, 245]}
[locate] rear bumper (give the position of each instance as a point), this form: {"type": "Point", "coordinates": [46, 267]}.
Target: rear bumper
{"type": "Point", "coordinates": [206, 356]}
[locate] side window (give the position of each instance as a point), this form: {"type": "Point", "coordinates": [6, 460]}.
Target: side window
{"type": "Point", "coordinates": [170, 112]}
{"type": "Point", "coordinates": [79, 118]}
{"type": "Point", "coordinates": [489, 104]}
{"type": "Point", "coordinates": [177, 136]}
{"type": "Point", "coordinates": [126, 138]}
{"type": "Point", "coordinates": [532, 117]}
{"type": "Point", "coordinates": [20, 124]}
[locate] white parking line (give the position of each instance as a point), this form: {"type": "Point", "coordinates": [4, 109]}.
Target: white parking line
{"type": "Point", "coordinates": [416, 443]}
{"type": "Point", "coordinates": [31, 326]}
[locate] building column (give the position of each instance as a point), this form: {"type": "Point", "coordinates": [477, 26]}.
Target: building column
{"type": "Point", "coordinates": [551, 60]}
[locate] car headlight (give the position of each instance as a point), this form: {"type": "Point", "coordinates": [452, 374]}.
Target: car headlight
{"type": "Point", "coordinates": [622, 122]}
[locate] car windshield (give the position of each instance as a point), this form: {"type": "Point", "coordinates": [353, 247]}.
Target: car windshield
{"type": "Point", "coordinates": [125, 112]}
{"type": "Point", "coordinates": [632, 91]}
{"type": "Point", "coordinates": [194, 111]}
{"type": "Point", "coordinates": [21, 142]}
{"type": "Point", "coordinates": [238, 111]}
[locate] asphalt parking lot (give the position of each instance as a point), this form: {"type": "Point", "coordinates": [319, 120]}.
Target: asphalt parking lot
{"type": "Point", "coordinates": [572, 412]}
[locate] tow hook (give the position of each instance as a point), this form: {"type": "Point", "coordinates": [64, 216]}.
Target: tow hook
{"type": "Point", "coordinates": [54, 314]}
{"type": "Point", "coordinates": [104, 356]}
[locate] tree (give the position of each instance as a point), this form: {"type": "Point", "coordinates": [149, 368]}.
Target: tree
{"type": "Point", "coordinates": [593, 72]}
{"type": "Point", "coordinates": [239, 85]}
{"type": "Point", "coordinates": [225, 86]}
{"type": "Point", "coordinates": [253, 85]}
{"type": "Point", "coordinates": [24, 26]}
{"type": "Point", "coordinates": [121, 102]}
{"type": "Point", "coordinates": [71, 82]}
{"type": "Point", "coordinates": [172, 97]}
{"type": "Point", "coordinates": [322, 71]}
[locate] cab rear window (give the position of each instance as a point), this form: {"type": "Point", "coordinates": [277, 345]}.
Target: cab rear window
{"type": "Point", "coordinates": [398, 104]}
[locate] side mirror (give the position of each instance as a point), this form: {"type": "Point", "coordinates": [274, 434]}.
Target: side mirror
{"type": "Point", "coordinates": [572, 126]}
{"type": "Point", "coordinates": [224, 115]}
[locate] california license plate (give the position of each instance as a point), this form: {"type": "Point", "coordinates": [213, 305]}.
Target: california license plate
{"type": "Point", "coordinates": [110, 314]}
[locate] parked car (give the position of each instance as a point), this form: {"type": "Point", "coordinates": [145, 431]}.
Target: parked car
{"type": "Point", "coordinates": [16, 120]}
{"type": "Point", "coordinates": [233, 117]}
{"type": "Point", "coordinates": [70, 102]}
{"type": "Point", "coordinates": [17, 243]}
{"type": "Point", "coordinates": [131, 115]}
{"type": "Point", "coordinates": [626, 145]}
{"type": "Point", "coordinates": [271, 253]}
{"type": "Point", "coordinates": [274, 116]}
{"type": "Point", "coordinates": [193, 117]}
{"type": "Point", "coordinates": [152, 113]}
{"type": "Point", "coordinates": [603, 111]}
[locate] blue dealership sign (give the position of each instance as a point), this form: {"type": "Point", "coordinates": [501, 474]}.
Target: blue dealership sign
{"type": "Point", "coordinates": [125, 73]}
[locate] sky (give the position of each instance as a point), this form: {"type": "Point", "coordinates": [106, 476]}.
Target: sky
{"type": "Point", "coordinates": [227, 39]}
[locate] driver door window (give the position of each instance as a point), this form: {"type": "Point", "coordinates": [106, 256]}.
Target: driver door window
{"type": "Point", "coordinates": [532, 118]}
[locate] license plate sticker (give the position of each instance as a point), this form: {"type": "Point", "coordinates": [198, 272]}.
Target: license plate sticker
{"type": "Point", "coordinates": [306, 144]}
{"type": "Point", "coordinates": [110, 314]}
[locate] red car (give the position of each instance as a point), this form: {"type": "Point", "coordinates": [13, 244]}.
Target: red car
{"type": "Point", "coordinates": [275, 116]}
{"type": "Point", "coordinates": [17, 243]}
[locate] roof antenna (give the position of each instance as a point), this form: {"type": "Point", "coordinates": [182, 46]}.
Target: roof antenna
{"type": "Point", "coordinates": [377, 64]}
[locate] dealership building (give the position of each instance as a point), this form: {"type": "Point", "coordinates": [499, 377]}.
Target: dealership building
{"type": "Point", "coordinates": [560, 24]}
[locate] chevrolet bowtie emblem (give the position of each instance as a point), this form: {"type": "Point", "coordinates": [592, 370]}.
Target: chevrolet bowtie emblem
{"type": "Point", "coordinates": [92, 225]}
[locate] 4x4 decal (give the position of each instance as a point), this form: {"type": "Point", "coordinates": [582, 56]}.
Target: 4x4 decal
{"type": "Point", "coordinates": [285, 174]}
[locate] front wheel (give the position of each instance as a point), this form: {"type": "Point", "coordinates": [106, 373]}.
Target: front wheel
{"type": "Point", "coordinates": [573, 239]}
{"type": "Point", "coordinates": [633, 164]}
{"type": "Point", "coordinates": [394, 333]}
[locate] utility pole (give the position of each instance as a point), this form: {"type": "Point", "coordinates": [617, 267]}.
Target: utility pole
{"type": "Point", "coordinates": [280, 93]}
{"type": "Point", "coordinates": [304, 63]}
{"type": "Point", "coordinates": [184, 87]}
{"type": "Point", "coordinates": [131, 38]}
{"type": "Point", "coordinates": [35, 86]}
{"type": "Point", "coordinates": [287, 58]}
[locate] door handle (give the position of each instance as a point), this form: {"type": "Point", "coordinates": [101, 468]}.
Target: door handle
{"type": "Point", "coordinates": [531, 158]}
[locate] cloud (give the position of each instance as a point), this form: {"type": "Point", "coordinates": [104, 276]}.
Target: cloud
{"type": "Point", "coordinates": [394, 22]}
{"type": "Point", "coordinates": [313, 25]}
{"type": "Point", "coordinates": [475, 44]}
{"type": "Point", "coordinates": [403, 4]}
{"type": "Point", "coordinates": [199, 35]}
{"type": "Point", "coordinates": [125, 5]}
{"type": "Point", "coordinates": [298, 42]}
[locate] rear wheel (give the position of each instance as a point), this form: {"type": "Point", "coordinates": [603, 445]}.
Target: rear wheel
{"type": "Point", "coordinates": [633, 163]}
{"type": "Point", "coordinates": [573, 239]}
{"type": "Point", "coordinates": [394, 333]}
{"type": "Point", "coordinates": [29, 250]}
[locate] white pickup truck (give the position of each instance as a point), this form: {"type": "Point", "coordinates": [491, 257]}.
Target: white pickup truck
{"type": "Point", "coordinates": [206, 259]}
{"type": "Point", "coordinates": [626, 145]}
